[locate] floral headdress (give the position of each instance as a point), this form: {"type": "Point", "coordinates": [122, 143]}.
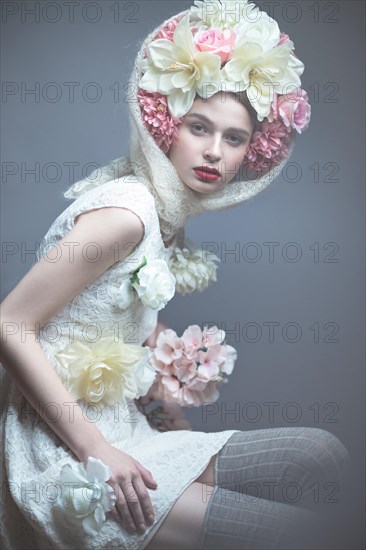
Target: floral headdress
{"type": "Point", "coordinates": [194, 52]}
{"type": "Point", "coordinates": [228, 46]}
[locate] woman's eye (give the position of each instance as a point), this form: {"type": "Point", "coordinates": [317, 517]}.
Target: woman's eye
{"type": "Point", "coordinates": [197, 127]}
{"type": "Point", "coordinates": [236, 139]}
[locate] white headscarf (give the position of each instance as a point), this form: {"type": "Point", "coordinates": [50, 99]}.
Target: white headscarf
{"type": "Point", "coordinates": [146, 162]}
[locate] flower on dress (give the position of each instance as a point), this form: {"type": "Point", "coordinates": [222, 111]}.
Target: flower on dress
{"type": "Point", "coordinates": [191, 271]}
{"type": "Point", "coordinates": [85, 495]}
{"type": "Point", "coordinates": [106, 371]}
{"type": "Point", "coordinates": [190, 368]}
{"type": "Point", "coordinates": [152, 282]}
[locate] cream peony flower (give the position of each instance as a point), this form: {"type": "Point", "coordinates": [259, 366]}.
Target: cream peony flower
{"type": "Point", "coordinates": [191, 271]}
{"type": "Point", "coordinates": [85, 495]}
{"type": "Point", "coordinates": [178, 70]}
{"type": "Point", "coordinates": [106, 371]}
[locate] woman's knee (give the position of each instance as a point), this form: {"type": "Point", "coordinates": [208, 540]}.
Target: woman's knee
{"type": "Point", "coordinates": [182, 527]}
{"type": "Point", "coordinates": [301, 454]}
{"type": "Point", "coordinates": [327, 452]}
{"type": "Point", "coordinates": [208, 475]}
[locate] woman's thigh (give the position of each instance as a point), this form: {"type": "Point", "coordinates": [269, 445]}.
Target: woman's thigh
{"type": "Point", "coordinates": [182, 527]}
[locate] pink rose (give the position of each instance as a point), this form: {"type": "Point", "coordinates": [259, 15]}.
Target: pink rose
{"type": "Point", "coordinates": [293, 109]}
{"type": "Point", "coordinates": [216, 41]}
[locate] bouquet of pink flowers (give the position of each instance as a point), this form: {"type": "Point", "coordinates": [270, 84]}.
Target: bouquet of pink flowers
{"type": "Point", "coordinates": [191, 367]}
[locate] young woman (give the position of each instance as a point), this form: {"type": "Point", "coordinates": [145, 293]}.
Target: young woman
{"type": "Point", "coordinates": [191, 150]}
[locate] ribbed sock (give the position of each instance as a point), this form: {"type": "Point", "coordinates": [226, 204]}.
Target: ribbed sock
{"type": "Point", "coordinates": [291, 465]}
{"type": "Point", "coordinates": [235, 521]}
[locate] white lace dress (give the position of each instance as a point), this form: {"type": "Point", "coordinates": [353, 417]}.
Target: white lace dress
{"type": "Point", "coordinates": [32, 454]}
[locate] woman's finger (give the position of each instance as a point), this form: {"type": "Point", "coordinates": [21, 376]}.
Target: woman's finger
{"type": "Point", "coordinates": [147, 476]}
{"type": "Point", "coordinates": [122, 507]}
{"type": "Point", "coordinates": [145, 502]}
{"type": "Point", "coordinates": [135, 506]}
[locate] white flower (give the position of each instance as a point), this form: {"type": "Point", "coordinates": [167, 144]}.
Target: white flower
{"type": "Point", "coordinates": [156, 284]}
{"type": "Point", "coordinates": [262, 73]}
{"type": "Point", "coordinates": [153, 283]}
{"type": "Point", "coordinates": [263, 31]}
{"type": "Point", "coordinates": [106, 371]}
{"type": "Point", "coordinates": [86, 497]}
{"type": "Point", "coordinates": [191, 271]}
{"type": "Point", "coordinates": [177, 70]}
{"type": "Point", "coordinates": [223, 14]}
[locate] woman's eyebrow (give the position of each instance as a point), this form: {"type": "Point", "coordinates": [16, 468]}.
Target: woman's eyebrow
{"type": "Point", "coordinates": [208, 121]}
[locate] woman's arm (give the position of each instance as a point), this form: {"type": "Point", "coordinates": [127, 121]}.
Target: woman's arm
{"type": "Point", "coordinates": [42, 292]}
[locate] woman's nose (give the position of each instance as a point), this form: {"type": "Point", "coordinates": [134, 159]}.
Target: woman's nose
{"type": "Point", "coordinates": [213, 151]}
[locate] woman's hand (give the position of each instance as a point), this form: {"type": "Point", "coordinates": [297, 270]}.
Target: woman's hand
{"type": "Point", "coordinates": [129, 480]}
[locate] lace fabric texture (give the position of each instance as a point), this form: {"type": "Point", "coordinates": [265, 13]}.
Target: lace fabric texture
{"type": "Point", "coordinates": [32, 454]}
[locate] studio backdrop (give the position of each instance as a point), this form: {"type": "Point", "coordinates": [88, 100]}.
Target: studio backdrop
{"type": "Point", "coordinates": [290, 285]}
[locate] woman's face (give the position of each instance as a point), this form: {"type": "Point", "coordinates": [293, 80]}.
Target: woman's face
{"type": "Point", "coordinates": [215, 133]}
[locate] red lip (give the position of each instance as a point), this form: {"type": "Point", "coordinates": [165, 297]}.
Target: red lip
{"type": "Point", "coordinates": [206, 176]}
{"type": "Point", "coordinates": [207, 169]}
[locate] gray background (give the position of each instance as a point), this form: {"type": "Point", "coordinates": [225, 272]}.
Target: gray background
{"type": "Point", "coordinates": [297, 208]}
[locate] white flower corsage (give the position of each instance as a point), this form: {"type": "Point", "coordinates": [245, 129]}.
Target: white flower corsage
{"type": "Point", "coordinates": [152, 282]}
{"type": "Point", "coordinates": [191, 270]}
{"type": "Point", "coordinates": [106, 371]}
{"type": "Point", "coordinates": [85, 495]}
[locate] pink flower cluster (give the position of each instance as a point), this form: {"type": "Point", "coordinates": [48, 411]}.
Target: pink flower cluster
{"type": "Point", "coordinates": [269, 145]}
{"type": "Point", "coordinates": [158, 120]}
{"type": "Point", "coordinates": [167, 31]}
{"type": "Point", "coordinates": [190, 367]}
